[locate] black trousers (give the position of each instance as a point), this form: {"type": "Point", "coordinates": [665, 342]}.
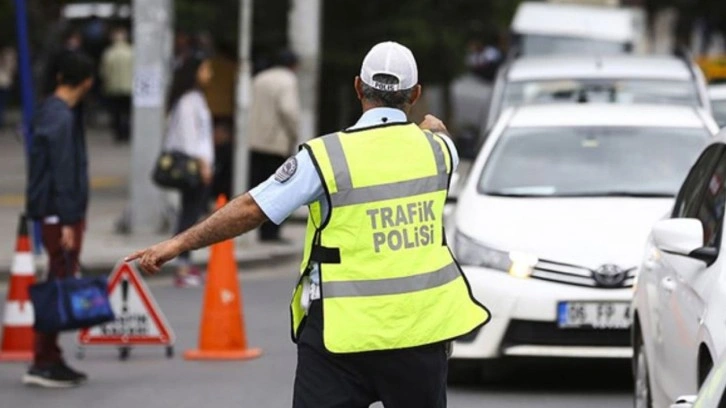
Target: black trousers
{"type": "Point", "coordinates": [405, 378]}
{"type": "Point", "coordinates": [120, 107]}
{"type": "Point", "coordinates": [262, 166]}
{"type": "Point", "coordinates": [194, 203]}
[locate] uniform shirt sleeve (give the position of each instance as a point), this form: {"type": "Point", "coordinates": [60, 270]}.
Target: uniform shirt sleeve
{"type": "Point", "coordinates": [279, 199]}
{"type": "Point", "coordinates": [452, 150]}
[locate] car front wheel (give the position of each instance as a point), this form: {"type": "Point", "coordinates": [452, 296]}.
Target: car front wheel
{"type": "Point", "coordinates": [643, 396]}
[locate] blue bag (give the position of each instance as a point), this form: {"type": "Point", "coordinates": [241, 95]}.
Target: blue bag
{"type": "Point", "coordinates": [70, 303]}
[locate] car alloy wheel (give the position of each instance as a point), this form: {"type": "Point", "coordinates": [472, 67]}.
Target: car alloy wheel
{"type": "Point", "coordinates": [643, 398]}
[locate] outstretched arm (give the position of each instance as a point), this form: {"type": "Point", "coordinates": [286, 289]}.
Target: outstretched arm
{"type": "Point", "coordinates": [237, 217]}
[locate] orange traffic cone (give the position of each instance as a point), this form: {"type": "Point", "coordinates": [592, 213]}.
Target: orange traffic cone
{"type": "Point", "coordinates": [222, 333]}
{"type": "Point", "coordinates": [17, 343]}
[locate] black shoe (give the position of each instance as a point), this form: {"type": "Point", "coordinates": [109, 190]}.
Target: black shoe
{"type": "Point", "coordinates": [80, 377]}
{"type": "Point", "coordinates": [50, 377]}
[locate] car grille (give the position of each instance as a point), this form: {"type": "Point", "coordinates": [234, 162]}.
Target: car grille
{"type": "Point", "coordinates": [575, 275]}
{"type": "Point", "coordinates": [549, 334]}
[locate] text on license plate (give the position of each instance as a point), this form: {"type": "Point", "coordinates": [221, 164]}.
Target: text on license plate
{"type": "Point", "coordinates": [597, 315]}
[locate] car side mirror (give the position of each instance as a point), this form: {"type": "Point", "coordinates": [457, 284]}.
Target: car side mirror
{"type": "Point", "coordinates": [684, 237]}
{"type": "Point", "coordinates": [686, 401]}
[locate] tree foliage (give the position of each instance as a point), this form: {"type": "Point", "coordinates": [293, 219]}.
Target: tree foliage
{"type": "Point", "coordinates": [436, 30]}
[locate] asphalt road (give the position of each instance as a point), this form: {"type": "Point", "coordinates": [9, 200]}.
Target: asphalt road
{"type": "Point", "coordinates": [149, 380]}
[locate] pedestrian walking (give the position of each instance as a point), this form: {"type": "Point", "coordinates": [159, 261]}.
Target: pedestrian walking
{"type": "Point", "coordinates": [117, 73]}
{"type": "Point", "coordinates": [57, 196]}
{"type": "Point", "coordinates": [8, 66]}
{"type": "Point", "coordinates": [379, 296]}
{"type": "Point", "coordinates": [72, 42]}
{"type": "Point", "coordinates": [273, 129]}
{"type": "Point", "coordinates": [189, 130]}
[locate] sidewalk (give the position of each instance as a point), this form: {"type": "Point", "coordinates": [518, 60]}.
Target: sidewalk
{"type": "Point", "coordinates": [103, 247]}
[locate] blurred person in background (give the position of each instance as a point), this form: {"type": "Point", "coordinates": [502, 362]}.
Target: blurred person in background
{"type": "Point", "coordinates": [8, 66]}
{"type": "Point", "coordinates": [183, 48]}
{"type": "Point", "coordinates": [57, 196]}
{"type": "Point", "coordinates": [72, 42]}
{"type": "Point", "coordinates": [220, 96]}
{"type": "Point", "coordinates": [117, 72]}
{"type": "Point", "coordinates": [95, 40]}
{"type": "Point", "coordinates": [484, 58]}
{"type": "Point", "coordinates": [95, 37]}
{"type": "Point", "coordinates": [273, 130]}
{"type": "Point", "coordinates": [189, 130]}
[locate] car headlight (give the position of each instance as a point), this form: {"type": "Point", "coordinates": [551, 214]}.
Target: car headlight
{"type": "Point", "coordinates": [470, 252]}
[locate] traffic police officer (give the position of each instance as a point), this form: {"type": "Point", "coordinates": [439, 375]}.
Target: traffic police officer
{"type": "Point", "coordinates": [379, 294]}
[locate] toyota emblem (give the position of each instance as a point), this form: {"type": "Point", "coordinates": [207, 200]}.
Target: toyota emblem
{"type": "Point", "coordinates": [609, 276]}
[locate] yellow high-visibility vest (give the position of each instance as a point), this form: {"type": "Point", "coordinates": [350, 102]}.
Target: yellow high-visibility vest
{"type": "Point", "coordinates": [387, 278]}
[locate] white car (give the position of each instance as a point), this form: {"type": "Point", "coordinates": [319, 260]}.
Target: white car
{"type": "Point", "coordinates": [718, 103]}
{"type": "Point", "coordinates": [551, 222]}
{"type": "Point", "coordinates": [713, 391]}
{"type": "Point", "coordinates": [621, 79]}
{"type": "Point", "coordinates": [679, 307]}
{"type": "Point", "coordinates": [550, 28]}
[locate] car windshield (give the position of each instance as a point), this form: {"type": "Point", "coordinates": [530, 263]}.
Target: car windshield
{"type": "Point", "coordinates": [719, 111]}
{"type": "Point", "coordinates": [548, 45]}
{"type": "Point", "coordinates": [669, 92]}
{"type": "Point", "coordinates": [591, 161]}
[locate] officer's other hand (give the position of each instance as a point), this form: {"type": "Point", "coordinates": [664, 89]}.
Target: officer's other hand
{"type": "Point", "coordinates": [68, 237]}
{"type": "Point", "coordinates": [433, 124]}
{"type": "Point", "coordinates": [207, 173]}
{"type": "Point", "coordinates": [151, 259]}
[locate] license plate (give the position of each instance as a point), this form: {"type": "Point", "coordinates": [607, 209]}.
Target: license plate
{"type": "Point", "coordinates": [596, 315]}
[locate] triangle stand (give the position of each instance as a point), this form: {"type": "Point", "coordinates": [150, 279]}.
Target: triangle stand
{"type": "Point", "coordinates": [139, 320]}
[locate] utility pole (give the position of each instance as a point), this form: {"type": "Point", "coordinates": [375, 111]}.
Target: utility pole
{"type": "Point", "coordinates": [304, 36]}
{"type": "Point", "coordinates": [151, 25]}
{"type": "Point", "coordinates": [26, 91]}
{"type": "Point", "coordinates": [243, 99]}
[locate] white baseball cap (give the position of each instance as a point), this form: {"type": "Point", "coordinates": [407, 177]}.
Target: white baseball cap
{"type": "Point", "coordinates": [390, 58]}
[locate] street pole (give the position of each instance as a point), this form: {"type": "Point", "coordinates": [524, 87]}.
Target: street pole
{"type": "Point", "coordinates": [243, 99]}
{"type": "Point", "coordinates": [152, 19]}
{"type": "Point", "coordinates": [304, 36]}
{"type": "Point", "coordinates": [25, 72]}
{"type": "Point", "coordinates": [26, 90]}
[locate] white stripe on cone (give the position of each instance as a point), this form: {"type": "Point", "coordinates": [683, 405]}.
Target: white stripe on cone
{"type": "Point", "coordinates": [23, 264]}
{"type": "Point", "coordinates": [18, 313]}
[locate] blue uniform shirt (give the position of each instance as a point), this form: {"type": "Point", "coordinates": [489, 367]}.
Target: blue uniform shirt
{"type": "Point", "coordinates": [280, 199]}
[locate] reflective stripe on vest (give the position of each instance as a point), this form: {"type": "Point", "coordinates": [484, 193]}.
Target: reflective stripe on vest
{"type": "Point", "coordinates": [347, 195]}
{"type": "Point", "coordinates": [387, 278]}
{"type": "Point", "coordinates": [391, 286]}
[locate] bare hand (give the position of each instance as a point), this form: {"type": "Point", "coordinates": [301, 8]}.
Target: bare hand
{"type": "Point", "coordinates": [433, 124]}
{"type": "Point", "coordinates": [206, 173]}
{"type": "Point", "coordinates": [68, 238]}
{"type": "Point", "coordinates": [151, 259]}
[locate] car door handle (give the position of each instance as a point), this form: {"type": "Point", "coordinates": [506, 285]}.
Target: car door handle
{"type": "Point", "coordinates": [668, 284]}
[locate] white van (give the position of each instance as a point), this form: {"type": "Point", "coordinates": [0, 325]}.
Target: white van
{"type": "Point", "coordinates": [554, 28]}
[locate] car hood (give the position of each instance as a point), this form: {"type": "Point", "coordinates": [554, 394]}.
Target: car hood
{"type": "Point", "coordinates": [587, 232]}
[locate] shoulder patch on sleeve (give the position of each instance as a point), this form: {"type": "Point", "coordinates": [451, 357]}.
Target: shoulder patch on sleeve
{"type": "Point", "coordinates": [286, 171]}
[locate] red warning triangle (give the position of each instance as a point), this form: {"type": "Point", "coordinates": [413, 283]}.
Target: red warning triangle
{"type": "Point", "coordinates": [139, 320]}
